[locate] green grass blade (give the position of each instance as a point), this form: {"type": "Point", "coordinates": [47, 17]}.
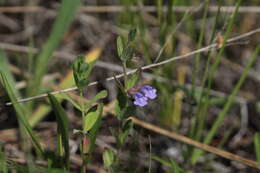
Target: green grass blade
{"type": "Point", "coordinates": [219, 55]}
{"type": "Point", "coordinates": [63, 127]}
{"type": "Point", "coordinates": [200, 120]}
{"type": "Point", "coordinates": [39, 114]}
{"type": "Point", "coordinates": [257, 146]}
{"type": "Point", "coordinates": [7, 72]}
{"type": "Point", "coordinates": [201, 99]}
{"type": "Point", "coordinates": [20, 113]}
{"type": "Point", "coordinates": [230, 100]}
{"type": "Point", "coordinates": [209, 76]}
{"type": "Point", "coordinates": [3, 164]}
{"type": "Point", "coordinates": [61, 24]}
{"type": "Point", "coordinates": [169, 163]}
{"type": "Point", "coordinates": [175, 167]}
{"type": "Point", "coordinates": [161, 160]}
{"type": "Point", "coordinates": [201, 36]}
{"type": "Point", "coordinates": [4, 64]}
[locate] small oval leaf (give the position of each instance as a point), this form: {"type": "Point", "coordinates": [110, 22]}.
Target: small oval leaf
{"type": "Point", "coordinates": [120, 46]}
{"type": "Point", "coordinates": [91, 118]}
{"type": "Point", "coordinates": [108, 158]}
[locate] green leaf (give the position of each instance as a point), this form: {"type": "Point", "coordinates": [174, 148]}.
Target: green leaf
{"type": "Point", "coordinates": [21, 113]}
{"type": "Point", "coordinates": [131, 35]}
{"type": "Point", "coordinates": [63, 126]}
{"type": "Point", "coordinates": [120, 46]}
{"type": "Point", "coordinates": [102, 94]}
{"type": "Point", "coordinates": [257, 146]}
{"type": "Point", "coordinates": [122, 104]}
{"type": "Point", "coordinates": [91, 118]}
{"type": "Point", "coordinates": [124, 112]}
{"type": "Point", "coordinates": [127, 53]}
{"type": "Point", "coordinates": [134, 78]}
{"type": "Point", "coordinates": [125, 131]}
{"type": "Point", "coordinates": [108, 158]}
{"type": "Point", "coordinates": [122, 98]}
{"type": "Point", "coordinates": [92, 134]}
{"type": "Point", "coordinates": [81, 72]}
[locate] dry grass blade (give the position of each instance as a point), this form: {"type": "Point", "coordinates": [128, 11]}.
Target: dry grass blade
{"type": "Point", "coordinates": [189, 141]}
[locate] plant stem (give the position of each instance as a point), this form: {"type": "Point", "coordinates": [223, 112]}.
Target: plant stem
{"type": "Point", "coordinates": [125, 74]}
{"type": "Point", "coordinates": [83, 166]}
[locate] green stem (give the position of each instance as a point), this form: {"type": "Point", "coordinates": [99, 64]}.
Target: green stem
{"type": "Point", "coordinates": [125, 74]}
{"type": "Point", "coordinates": [83, 166]}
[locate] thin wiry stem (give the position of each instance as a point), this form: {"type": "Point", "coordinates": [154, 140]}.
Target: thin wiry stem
{"type": "Point", "coordinates": [116, 9]}
{"type": "Point", "coordinates": [204, 49]}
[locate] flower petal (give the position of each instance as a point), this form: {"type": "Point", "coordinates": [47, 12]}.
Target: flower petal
{"type": "Point", "coordinates": [140, 99]}
{"type": "Point", "coordinates": [149, 92]}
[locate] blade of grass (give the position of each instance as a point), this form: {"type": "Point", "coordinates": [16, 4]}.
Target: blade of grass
{"type": "Point", "coordinates": [3, 164]}
{"type": "Point", "coordinates": [197, 124]}
{"type": "Point", "coordinates": [203, 107]}
{"type": "Point", "coordinates": [169, 163]}
{"type": "Point", "coordinates": [201, 36]}
{"type": "Point", "coordinates": [200, 119]}
{"type": "Point", "coordinates": [63, 129]}
{"type": "Point", "coordinates": [219, 55]}
{"type": "Point", "coordinates": [203, 93]}
{"type": "Point", "coordinates": [159, 10]}
{"type": "Point", "coordinates": [257, 146]}
{"type": "Point", "coordinates": [21, 114]}
{"type": "Point", "coordinates": [4, 64]}
{"type": "Point", "coordinates": [230, 100]}
{"type": "Point", "coordinates": [65, 16]}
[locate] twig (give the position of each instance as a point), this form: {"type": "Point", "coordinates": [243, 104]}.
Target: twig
{"type": "Point", "coordinates": [199, 145]}
{"type": "Point", "coordinates": [116, 9]}
{"type": "Point", "coordinates": [204, 49]}
{"type": "Point", "coordinates": [112, 67]}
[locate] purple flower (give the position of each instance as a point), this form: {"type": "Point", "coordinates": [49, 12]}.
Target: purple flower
{"type": "Point", "coordinates": [149, 92]}
{"type": "Point", "coordinates": [140, 99]}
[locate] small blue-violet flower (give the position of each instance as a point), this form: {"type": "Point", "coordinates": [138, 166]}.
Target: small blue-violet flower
{"type": "Point", "coordinates": [142, 95]}
{"type": "Point", "coordinates": [149, 92]}
{"type": "Point", "coordinates": [140, 99]}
